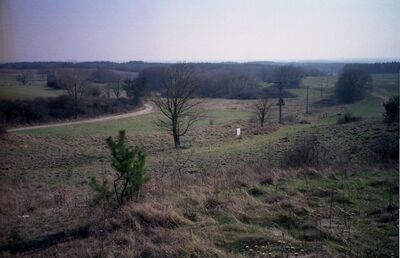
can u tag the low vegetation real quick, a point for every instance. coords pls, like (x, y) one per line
(309, 187)
(352, 85)
(304, 152)
(15, 112)
(78, 96)
(131, 173)
(391, 109)
(347, 118)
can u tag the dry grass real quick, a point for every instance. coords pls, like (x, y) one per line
(219, 197)
(169, 220)
(213, 213)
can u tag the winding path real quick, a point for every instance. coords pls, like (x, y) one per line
(147, 109)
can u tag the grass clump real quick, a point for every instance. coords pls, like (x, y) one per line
(348, 118)
(391, 110)
(303, 152)
(385, 149)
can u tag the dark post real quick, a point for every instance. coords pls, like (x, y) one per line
(327, 81)
(322, 83)
(280, 101)
(76, 100)
(307, 100)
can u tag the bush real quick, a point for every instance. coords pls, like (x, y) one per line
(347, 118)
(23, 111)
(391, 110)
(385, 149)
(94, 91)
(303, 152)
(52, 82)
(61, 107)
(131, 173)
(351, 85)
(46, 109)
(290, 119)
(3, 129)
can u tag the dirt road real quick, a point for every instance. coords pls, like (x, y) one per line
(147, 109)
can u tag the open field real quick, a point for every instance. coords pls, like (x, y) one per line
(36, 87)
(218, 196)
(199, 129)
(246, 212)
(10, 89)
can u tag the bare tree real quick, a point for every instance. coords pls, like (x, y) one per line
(176, 103)
(261, 109)
(107, 91)
(23, 77)
(136, 88)
(116, 88)
(75, 83)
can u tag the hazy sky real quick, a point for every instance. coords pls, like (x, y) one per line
(198, 30)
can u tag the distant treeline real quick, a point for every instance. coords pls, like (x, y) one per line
(216, 80)
(237, 81)
(132, 66)
(250, 68)
(392, 67)
(219, 80)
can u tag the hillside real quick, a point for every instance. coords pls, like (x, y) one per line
(219, 196)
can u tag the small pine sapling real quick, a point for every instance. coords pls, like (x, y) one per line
(131, 174)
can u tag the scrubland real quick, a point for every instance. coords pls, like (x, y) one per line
(307, 188)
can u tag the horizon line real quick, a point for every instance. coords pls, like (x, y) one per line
(319, 60)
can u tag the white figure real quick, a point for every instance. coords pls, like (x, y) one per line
(237, 132)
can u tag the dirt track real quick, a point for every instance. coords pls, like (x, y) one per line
(147, 109)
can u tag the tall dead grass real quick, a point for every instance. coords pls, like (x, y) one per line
(179, 215)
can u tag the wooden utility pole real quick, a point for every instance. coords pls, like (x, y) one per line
(281, 102)
(322, 83)
(307, 100)
(327, 81)
(398, 80)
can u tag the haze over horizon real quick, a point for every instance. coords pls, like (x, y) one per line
(215, 31)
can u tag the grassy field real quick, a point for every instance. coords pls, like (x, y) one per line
(219, 196)
(135, 125)
(36, 87)
(389, 83)
(10, 89)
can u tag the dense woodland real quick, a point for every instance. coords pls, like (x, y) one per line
(383, 68)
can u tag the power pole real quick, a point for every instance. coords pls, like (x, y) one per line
(398, 80)
(307, 100)
(281, 102)
(322, 83)
(327, 81)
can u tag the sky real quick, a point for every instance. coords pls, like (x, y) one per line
(198, 30)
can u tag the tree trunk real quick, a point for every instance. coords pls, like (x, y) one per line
(76, 108)
(175, 132)
(177, 141)
(75, 101)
